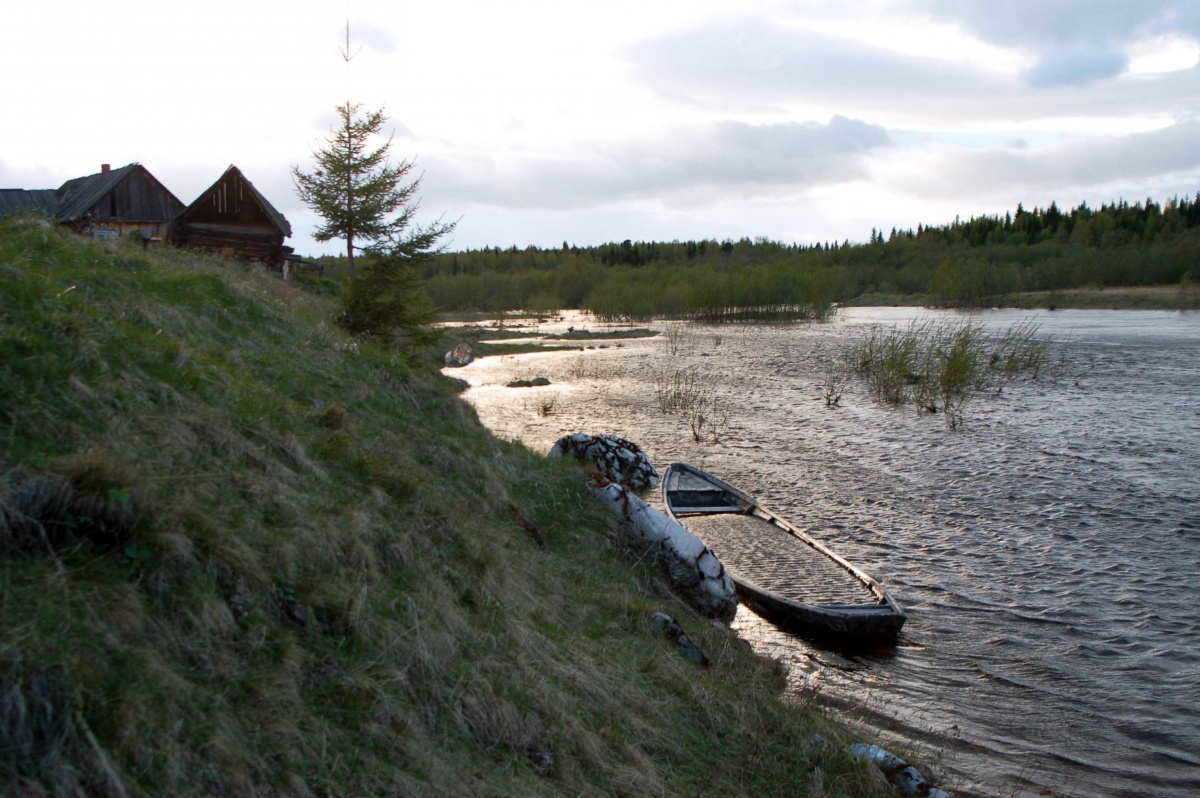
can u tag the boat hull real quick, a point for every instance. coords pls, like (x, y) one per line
(865, 626)
(861, 612)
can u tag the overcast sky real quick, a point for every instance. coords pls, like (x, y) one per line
(543, 121)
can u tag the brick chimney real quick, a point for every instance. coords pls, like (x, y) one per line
(104, 168)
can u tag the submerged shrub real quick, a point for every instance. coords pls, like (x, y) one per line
(680, 390)
(889, 361)
(939, 365)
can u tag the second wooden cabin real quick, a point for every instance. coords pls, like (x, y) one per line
(233, 219)
(109, 204)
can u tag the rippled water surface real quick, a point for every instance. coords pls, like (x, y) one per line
(1047, 552)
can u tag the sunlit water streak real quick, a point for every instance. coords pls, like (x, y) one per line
(1048, 552)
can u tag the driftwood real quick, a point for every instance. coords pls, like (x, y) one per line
(526, 524)
(670, 629)
(903, 776)
(695, 572)
(619, 460)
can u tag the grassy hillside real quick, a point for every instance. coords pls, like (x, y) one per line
(241, 554)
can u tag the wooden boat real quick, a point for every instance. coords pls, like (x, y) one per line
(781, 572)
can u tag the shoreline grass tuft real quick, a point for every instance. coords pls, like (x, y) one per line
(938, 365)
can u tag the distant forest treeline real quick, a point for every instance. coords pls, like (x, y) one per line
(962, 264)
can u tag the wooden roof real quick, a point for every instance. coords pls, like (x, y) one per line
(19, 200)
(218, 195)
(78, 196)
(142, 198)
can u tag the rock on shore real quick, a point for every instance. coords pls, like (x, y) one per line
(459, 356)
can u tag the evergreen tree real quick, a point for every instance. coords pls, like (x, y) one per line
(356, 189)
(389, 299)
(363, 197)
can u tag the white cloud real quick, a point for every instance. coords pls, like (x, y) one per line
(378, 38)
(1041, 25)
(1071, 166)
(678, 118)
(750, 61)
(684, 167)
(1162, 54)
(1073, 41)
(1075, 65)
(752, 65)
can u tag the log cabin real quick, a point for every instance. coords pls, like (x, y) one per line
(232, 218)
(109, 204)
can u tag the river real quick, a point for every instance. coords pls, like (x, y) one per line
(1047, 550)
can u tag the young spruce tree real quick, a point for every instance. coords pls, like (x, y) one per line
(363, 197)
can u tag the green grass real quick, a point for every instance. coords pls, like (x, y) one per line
(489, 341)
(603, 335)
(938, 365)
(243, 554)
(1185, 296)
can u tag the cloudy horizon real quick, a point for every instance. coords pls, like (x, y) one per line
(544, 122)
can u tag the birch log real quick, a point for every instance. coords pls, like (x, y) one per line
(695, 572)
